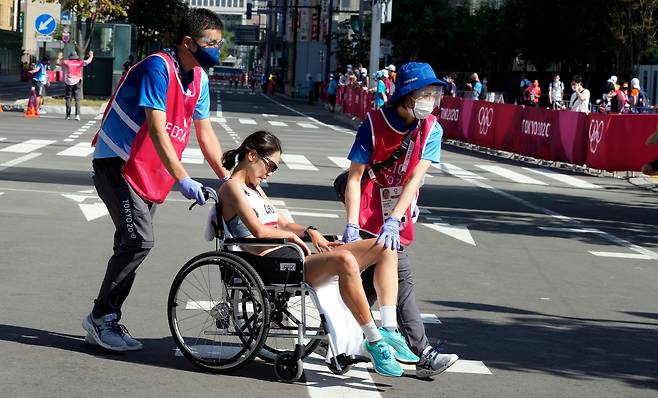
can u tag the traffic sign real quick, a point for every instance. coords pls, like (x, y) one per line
(65, 17)
(44, 38)
(45, 24)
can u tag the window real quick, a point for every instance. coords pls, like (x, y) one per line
(241, 3)
(223, 3)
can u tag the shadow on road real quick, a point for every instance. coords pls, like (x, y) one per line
(570, 347)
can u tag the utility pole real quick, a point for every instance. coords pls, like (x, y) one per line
(295, 20)
(327, 65)
(375, 37)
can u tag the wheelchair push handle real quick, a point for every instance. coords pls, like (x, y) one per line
(208, 193)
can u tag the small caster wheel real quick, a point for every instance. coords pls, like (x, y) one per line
(344, 368)
(287, 368)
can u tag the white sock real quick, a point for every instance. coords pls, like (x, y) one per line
(371, 332)
(389, 317)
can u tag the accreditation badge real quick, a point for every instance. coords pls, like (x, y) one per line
(389, 198)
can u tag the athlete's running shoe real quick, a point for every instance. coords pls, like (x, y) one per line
(105, 332)
(399, 345)
(382, 358)
(433, 362)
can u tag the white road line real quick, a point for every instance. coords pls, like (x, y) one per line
(269, 115)
(82, 149)
(573, 230)
(321, 383)
(298, 162)
(461, 366)
(341, 162)
(635, 256)
(510, 175)
(457, 171)
(247, 121)
(309, 214)
(427, 318)
(192, 156)
(19, 160)
(27, 146)
(307, 125)
(276, 123)
(459, 232)
(565, 178)
(68, 140)
(218, 119)
(3, 138)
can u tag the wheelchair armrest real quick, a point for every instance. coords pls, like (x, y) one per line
(330, 238)
(255, 241)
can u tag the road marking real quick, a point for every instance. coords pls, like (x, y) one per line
(91, 211)
(269, 115)
(192, 155)
(247, 121)
(635, 256)
(430, 319)
(457, 171)
(27, 146)
(68, 140)
(341, 162)
(307, 125)
(276, 123)
(565, 178)
(218, 119)
(321, 383)
(461, 366)
(19, 160)
(459, 232)
(3, 138)
(309, 214)
(510, 175)
(82, 149)
(298, 162)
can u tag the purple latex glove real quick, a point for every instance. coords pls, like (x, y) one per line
(192, 190)
(351, 233)
(389, 233)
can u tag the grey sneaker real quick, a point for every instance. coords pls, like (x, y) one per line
(132, 344)
(433, 362)
(105, 332)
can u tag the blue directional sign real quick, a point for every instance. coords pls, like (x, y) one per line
(45, 24)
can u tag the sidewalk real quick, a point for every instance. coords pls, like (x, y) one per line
(14, 95)
(319, 110)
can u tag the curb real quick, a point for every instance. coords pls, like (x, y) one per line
(56, 109)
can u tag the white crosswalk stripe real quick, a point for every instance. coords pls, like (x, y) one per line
(341, 162)
(192, 156)
(247, 121)
(27, 146)
(510, 175)
(457, 171)
(565, 178)
(297, 162)
(307, 125)
(276, 123)
(3, 138)
(82, 149)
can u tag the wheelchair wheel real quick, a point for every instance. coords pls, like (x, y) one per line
(285, 312)
(287, 368)
(218, 312)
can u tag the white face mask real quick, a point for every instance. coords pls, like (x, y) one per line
(423, 108)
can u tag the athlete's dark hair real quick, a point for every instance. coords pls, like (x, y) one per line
(263, 142)
(196, 21)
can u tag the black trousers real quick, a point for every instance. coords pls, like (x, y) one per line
(133, 237)
(410, 321)
(72, 90)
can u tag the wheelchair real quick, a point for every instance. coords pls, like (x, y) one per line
(227, 306)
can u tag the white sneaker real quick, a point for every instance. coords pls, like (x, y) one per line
(77, 117)
(433, 362)
(68, 117)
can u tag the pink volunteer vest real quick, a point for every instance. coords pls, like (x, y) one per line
(144, 170)
(386, 140)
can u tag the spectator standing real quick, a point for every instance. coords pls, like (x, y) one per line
(579, 101)
(615, 98)
(484, 92)
(331, 91)
(556, 93)
(392, 73)
(380, 93)
(40, 80)
(623, 92)
(637, 97)
(475, 86)
(386, 81)
(128, 64)
(533, 93)
(525, 83)
(451, 87)
(309, 88)
(72, 69)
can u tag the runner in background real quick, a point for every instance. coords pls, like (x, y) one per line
(40, 81)
(72, 69)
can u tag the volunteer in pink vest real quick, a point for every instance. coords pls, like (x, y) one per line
(72, 68)
(136, 162)
(380, 198)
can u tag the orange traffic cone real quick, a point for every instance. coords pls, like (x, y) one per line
(1, 110)
(32, 105)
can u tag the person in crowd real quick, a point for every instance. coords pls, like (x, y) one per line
(484, 92)
(248, 212)
(386, 81)
(579, 101)
(137, 158)
(556, 93)
(615, 97)
(623, 91)
(525, 83)
(310, 88)
(392, 73)
(637, 97)
(451, 87)
(409, 111)
(343, 80)
(252, 81)
(128, 64)
(365, 80)
(474, 86)
(331, 91)
(72, 69)
(40, 80)
(380, 90)
(533, 94)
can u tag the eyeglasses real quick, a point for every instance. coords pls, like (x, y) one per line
(271, 166)
(429, 93)
(211, 43)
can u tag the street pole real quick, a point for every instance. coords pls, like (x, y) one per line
(375, 37)
(327, 65)
(294, 43)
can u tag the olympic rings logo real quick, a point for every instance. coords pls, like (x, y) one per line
(595, 134)
(485, 118)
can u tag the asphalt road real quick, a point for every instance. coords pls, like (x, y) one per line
(542, 281)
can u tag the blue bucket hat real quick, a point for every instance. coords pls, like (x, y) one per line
(413, 76)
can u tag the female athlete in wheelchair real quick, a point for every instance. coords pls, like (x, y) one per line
(247, 216)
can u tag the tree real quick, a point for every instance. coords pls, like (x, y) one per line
(156, 21)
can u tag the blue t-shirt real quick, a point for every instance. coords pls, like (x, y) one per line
(379, 95)
(42, 73)
(145, 87)
(362, 148)
(332, 87)
(477, 87)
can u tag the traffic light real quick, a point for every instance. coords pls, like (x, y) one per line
(249, 9)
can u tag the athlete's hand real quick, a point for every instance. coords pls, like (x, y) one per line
(351, 233)
(389, 233)
(192, 190)
(319, 241)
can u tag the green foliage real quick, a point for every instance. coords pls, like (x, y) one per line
(351, 47)
(156, 21)
(100, 9)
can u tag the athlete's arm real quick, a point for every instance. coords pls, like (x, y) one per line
(353, 192)
(210, 146)
(410, 189)
(156, 120)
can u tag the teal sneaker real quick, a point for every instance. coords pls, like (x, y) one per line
(399, 345)
(382, 359)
